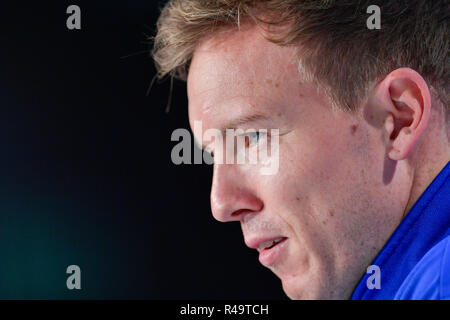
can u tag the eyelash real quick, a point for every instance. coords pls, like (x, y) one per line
(247, 143)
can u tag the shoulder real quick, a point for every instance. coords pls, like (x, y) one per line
(430, 278)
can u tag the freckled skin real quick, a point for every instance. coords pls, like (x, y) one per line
(328, 197)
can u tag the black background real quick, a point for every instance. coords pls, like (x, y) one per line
(86, 176)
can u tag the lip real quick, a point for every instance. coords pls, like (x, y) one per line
(271, 255)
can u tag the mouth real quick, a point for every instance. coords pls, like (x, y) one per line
(270, 250)
(270, 244)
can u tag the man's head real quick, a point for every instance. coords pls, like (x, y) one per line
(361, 118)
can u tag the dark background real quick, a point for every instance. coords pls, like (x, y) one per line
(86, 176)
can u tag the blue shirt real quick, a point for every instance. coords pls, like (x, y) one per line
(415, 261)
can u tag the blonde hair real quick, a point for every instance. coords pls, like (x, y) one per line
(338, 51)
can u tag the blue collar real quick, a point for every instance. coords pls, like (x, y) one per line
(424, 226)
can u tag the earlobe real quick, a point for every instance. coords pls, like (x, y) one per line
(409, 106)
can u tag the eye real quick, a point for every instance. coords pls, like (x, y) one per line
(210, 151)
(252, 138)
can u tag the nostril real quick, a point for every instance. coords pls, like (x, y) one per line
(238, 212)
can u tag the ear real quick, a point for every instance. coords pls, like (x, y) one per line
(405, 97)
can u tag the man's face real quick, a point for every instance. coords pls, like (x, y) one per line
(330, 202)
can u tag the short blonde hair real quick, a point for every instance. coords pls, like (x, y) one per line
(338, 51)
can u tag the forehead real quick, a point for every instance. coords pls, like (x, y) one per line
(238, 70)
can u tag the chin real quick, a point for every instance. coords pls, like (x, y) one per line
(296, 289)
(304, 288)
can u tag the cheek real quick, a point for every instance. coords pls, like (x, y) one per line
(322, 161)
(317, 174)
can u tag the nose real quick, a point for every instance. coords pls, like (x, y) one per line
(232, 196)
